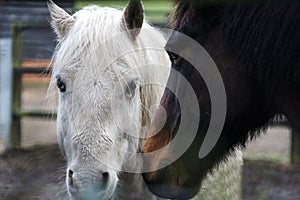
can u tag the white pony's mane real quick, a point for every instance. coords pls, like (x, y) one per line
(98, 37)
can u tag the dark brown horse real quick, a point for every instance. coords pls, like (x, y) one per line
(256, 47)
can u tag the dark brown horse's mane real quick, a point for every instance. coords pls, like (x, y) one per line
(264, 34)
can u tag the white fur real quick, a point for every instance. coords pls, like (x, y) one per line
(96, 61)
(61, 20)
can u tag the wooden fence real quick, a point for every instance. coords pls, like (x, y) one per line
(18, 71)
(28, 11)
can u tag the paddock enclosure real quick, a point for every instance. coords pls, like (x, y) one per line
(28, 171)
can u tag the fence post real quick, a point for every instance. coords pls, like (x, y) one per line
(295, 146)
(5, 90)
(15, 136)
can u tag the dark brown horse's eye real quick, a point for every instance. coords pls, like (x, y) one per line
(175, 58)
(60, 84)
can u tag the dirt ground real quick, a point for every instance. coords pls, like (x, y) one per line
(38, 172)
(266, 180)
(32, 174)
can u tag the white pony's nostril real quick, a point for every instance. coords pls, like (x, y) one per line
(105, 177)
(71, 179)
(105, 174)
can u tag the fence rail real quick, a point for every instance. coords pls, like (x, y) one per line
(19, 71)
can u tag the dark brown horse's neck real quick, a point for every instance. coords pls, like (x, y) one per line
(249, 106)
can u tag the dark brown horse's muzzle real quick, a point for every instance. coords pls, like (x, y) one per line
(165, 184)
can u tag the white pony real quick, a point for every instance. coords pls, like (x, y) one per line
(102, 66)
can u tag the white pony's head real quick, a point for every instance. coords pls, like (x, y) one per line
(99, 65)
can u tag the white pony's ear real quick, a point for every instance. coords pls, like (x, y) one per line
(134, 17)
(61, 21)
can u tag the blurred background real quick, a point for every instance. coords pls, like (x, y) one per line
(27, 118)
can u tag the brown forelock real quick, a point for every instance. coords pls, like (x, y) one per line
(153, 143)
(158, 138)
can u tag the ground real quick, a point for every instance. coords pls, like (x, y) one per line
(32, 174)
(266, 180)
(38, 173)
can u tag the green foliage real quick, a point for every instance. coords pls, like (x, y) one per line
(155, 10)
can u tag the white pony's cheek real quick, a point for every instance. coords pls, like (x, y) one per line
(60, 139)
(63, 125)
(118, 151)
(130, 120)
(61, 129)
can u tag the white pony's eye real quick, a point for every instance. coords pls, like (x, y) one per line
(130, 89)
(60, 84)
